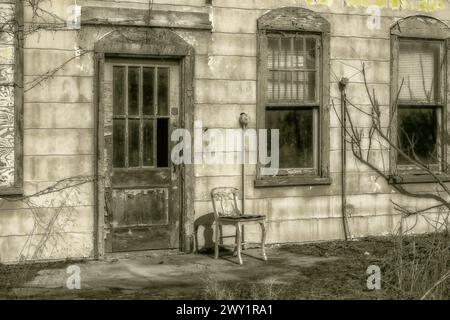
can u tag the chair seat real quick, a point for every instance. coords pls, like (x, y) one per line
(243, 217)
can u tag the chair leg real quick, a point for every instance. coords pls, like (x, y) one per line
(263, 240)
(235, 242)
(238, 241)
(244, 245)
(216, 240)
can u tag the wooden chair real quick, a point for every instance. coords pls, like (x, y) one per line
(226, 212)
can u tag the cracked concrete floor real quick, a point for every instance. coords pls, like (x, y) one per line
(164, 275)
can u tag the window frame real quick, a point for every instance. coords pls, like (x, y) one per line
(292, 20)
(17, 187)
(419, 28)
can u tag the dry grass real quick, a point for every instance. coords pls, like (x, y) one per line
(419, 266)
(266, 290)
(421, 271)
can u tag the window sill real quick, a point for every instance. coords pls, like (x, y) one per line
(417, 178)
(281, 181)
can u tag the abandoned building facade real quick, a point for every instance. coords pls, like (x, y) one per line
(92, 90)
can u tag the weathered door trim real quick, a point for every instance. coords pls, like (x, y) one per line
(144, 43)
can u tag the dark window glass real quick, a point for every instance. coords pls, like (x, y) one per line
(148, 143)
(148, 88)
(418, 132)
(118, 90)
(133, 143)
(162, 146)
(163, 91)
(119, 143)
(296, 136)
(133, 90)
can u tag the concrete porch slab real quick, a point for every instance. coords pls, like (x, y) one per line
(165, 275)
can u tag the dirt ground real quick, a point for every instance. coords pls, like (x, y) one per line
(328, 270)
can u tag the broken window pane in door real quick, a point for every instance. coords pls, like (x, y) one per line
(162, 153)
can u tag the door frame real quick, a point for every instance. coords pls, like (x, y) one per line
(143, 43)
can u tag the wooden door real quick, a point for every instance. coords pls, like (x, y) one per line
(141, 105)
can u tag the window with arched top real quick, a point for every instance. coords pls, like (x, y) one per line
(293, 93)
(419, 75)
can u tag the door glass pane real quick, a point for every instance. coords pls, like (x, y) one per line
(296, 136)
(418, 68)
(133, 143)
(162, 152)
(118, 90)
(148, 88)
(418, 132)
(163, 91)
(119, 143)
(133, 90)
(148, 143)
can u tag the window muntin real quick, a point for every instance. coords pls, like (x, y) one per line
(140, 116)
(292, 99)
(420, 107)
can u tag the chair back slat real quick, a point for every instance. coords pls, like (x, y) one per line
(224, 201)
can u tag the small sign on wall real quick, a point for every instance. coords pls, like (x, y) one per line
(74, 19)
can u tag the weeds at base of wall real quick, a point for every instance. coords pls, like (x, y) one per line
(412, 267)
(419, 266)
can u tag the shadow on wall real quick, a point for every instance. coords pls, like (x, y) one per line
(206, 221)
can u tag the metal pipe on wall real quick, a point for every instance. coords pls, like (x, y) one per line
(243, 121)
(342, 87)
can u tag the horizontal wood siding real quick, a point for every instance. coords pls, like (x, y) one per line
(59, 122)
